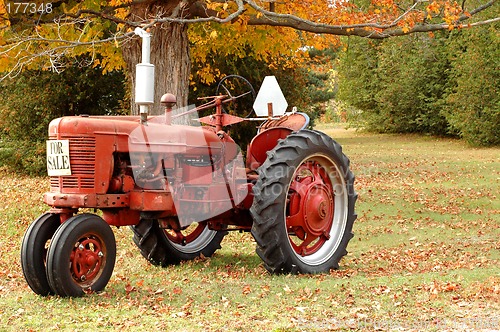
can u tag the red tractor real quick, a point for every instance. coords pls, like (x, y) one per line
(181, 189)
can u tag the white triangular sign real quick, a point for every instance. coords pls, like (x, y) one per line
(270, 92)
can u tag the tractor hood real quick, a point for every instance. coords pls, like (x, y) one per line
(131, 135)
(90, 125)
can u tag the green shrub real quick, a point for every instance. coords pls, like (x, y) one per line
(24, 157)
(473, 107)
(443, 85)
(31, 100)
(358, 76)
(413, 74)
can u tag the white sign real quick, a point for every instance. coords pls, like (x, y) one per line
(58, 158)
(270, 92)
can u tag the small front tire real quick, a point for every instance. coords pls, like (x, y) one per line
(34, 252)
(81, 257)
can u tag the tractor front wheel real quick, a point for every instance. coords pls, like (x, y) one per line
(166, 247)
(303, 206)
(34, 249)
(81, 256)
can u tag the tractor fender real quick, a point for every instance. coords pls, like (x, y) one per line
(263, 142)
(269, 133)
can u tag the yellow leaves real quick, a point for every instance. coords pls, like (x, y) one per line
(240, 40)
(115, 3)
(212, 5)
(4, 22)
(451, 13)
(448, 11)
(60, 36)
(433, 8)
(3, 9)
(217, 6)
(208, 74)
(111, 58)
(122, 13)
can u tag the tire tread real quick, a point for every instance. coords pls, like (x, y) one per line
(267, 229)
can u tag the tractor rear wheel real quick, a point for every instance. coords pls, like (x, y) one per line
(81, 256)
(166, 247)
(34, 249)
(303, 206)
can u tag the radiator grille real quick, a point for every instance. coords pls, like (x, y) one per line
(82, 160)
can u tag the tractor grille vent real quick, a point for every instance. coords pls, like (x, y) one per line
(82, 160)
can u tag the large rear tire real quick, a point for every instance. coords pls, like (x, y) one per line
(303, 206)
(165, 247)
(81, 256)
(34, 252)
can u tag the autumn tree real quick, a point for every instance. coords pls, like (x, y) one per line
(41, 33)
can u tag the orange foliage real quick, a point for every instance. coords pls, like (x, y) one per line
(236, 38)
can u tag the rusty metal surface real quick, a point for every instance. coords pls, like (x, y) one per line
(87, 200)
(294, 121)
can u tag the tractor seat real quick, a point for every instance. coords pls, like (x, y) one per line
(294, 121)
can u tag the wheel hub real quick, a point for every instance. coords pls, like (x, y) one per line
(310, 208)
(318, 210)
(86, 260)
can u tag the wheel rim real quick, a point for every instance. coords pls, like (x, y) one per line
(316, 209)
(87, 260)
(192, 239)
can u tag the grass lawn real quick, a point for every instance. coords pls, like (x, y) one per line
(425, 257)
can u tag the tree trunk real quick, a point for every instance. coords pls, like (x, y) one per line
(169, 55)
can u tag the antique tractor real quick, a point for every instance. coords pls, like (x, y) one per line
(181, 189)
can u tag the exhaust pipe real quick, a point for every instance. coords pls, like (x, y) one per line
(144, 77)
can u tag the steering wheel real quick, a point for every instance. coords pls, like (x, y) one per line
(240, 91)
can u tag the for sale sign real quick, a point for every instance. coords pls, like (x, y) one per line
(58, 158)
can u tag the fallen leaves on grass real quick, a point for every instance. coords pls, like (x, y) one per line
(437, 287)
(442, 218)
